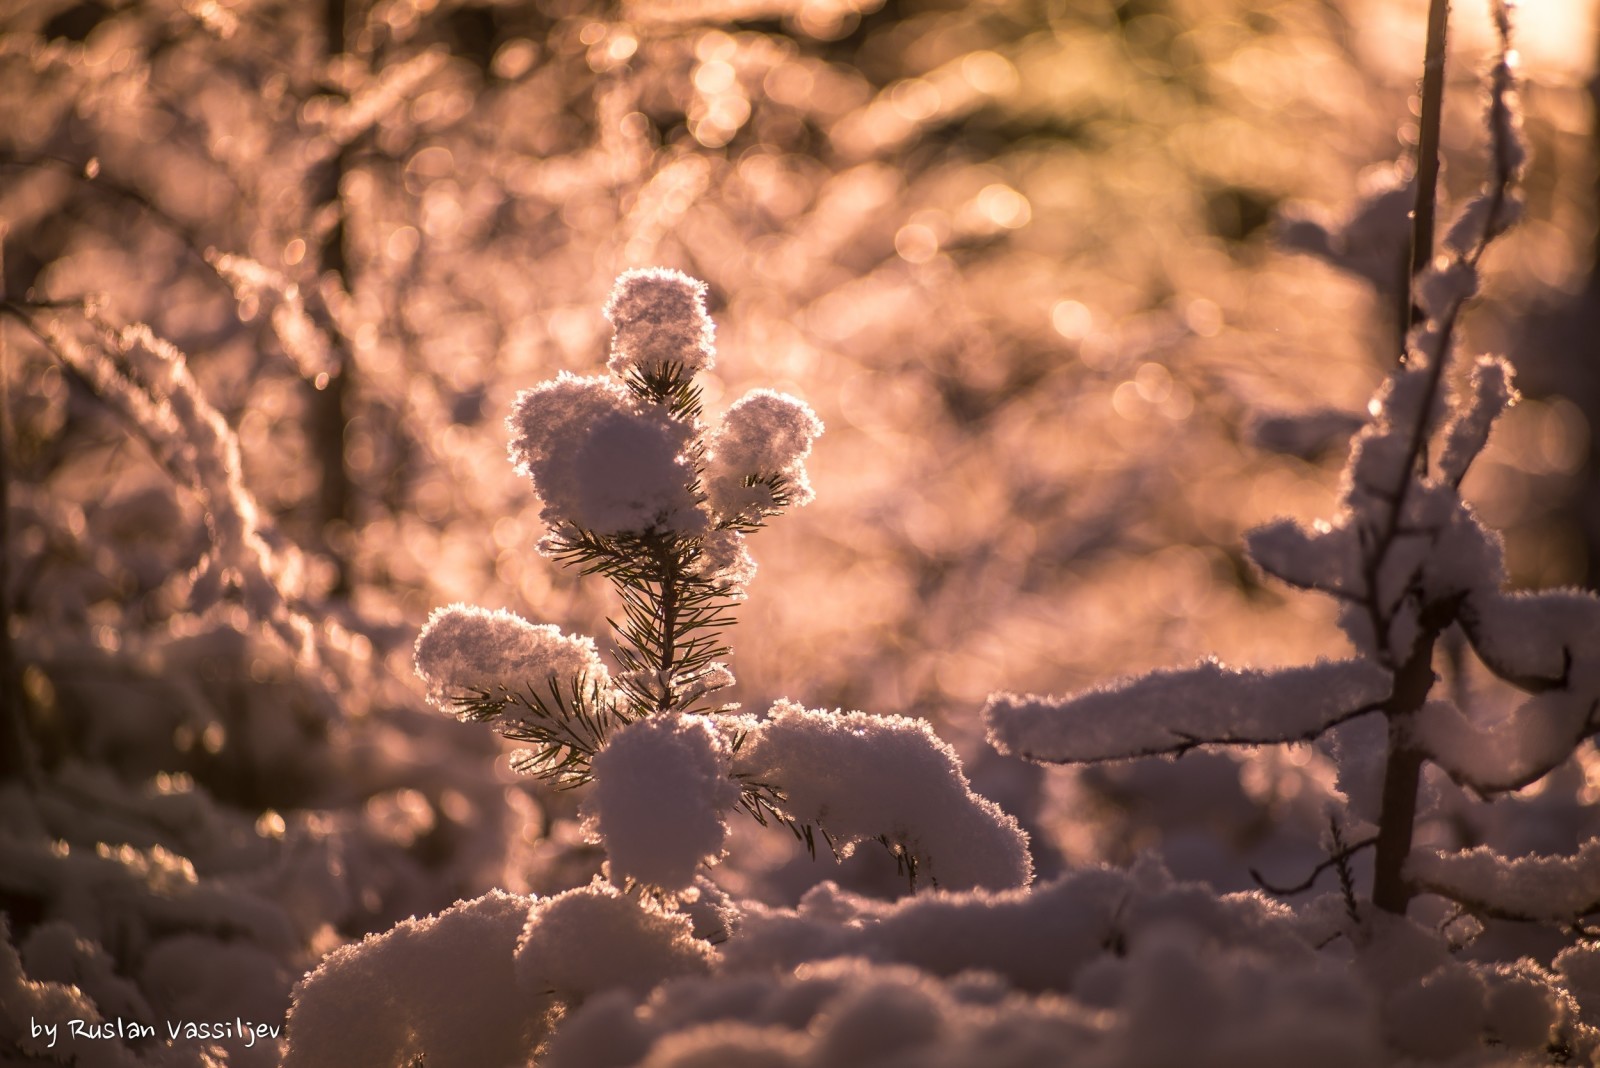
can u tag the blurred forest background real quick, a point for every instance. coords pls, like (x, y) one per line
(1056, 274)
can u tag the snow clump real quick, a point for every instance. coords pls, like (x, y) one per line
(857, 777)
(660, 322)
(764, 436)
(661, 787)
(600, 459)
(464, 650)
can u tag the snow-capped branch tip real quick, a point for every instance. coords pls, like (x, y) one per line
(660, 321)
(661, 788)
(756, 456)
(464, 651)
(1491, 394)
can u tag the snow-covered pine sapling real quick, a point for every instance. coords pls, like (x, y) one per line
(1406, 558)
(640, 490)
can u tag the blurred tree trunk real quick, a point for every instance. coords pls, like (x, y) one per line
(330, 404)
(16, 746)
(1586, 337)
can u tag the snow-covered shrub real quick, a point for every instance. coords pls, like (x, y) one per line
(1407, 560)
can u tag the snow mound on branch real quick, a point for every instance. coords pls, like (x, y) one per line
(1173, 711)
(599, 460)
(1035, 939)
(1537, 639)
(463, 649)
(764, 434)
(661, 786)
(1579, 968)
(441, 987)
(1551, 889)
(1529, 742)
(594, 938)
(1491, 394)
(858, 776)
(660, 321)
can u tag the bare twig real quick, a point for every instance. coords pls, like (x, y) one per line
(1339, 859)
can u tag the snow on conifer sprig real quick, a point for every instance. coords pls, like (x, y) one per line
(637, 489)
(618, 461)
(1406, 558)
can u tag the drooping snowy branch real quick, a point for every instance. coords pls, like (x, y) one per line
(858, 777)
(1537, 641)
(298, 333)
(1531, 741)
(146, 379)
(1174, 711)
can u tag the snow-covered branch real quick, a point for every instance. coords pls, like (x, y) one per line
(1559, 890)
(1173, 711)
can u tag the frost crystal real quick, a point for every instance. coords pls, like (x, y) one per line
(660, 788)
(464, 649)
(661, 322)
(599, 460)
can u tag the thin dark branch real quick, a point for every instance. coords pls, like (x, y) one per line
(1185, 741)
(1428, 149)
(1334, 859)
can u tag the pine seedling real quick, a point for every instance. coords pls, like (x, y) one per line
(639, 490)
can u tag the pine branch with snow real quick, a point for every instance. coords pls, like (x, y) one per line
(638, 489)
